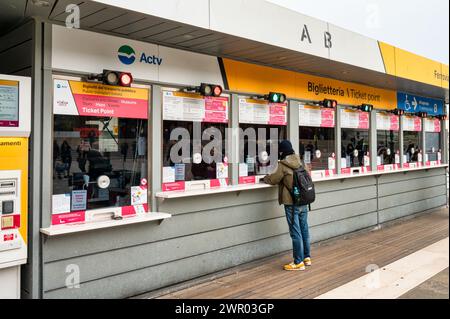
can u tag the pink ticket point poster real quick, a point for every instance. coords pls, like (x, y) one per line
(327, 117)
(216, 109)
(96, 99)
(363, 120)
(277, 114)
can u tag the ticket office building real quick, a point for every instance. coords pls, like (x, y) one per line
(115, 208)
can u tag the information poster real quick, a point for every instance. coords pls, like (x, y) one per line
(354, 119)
(79, 200)
(262, 112)
(9, 103)
(412, 123)
(180, 172)
(192, 107)
(109, 135)
(387, 122)
(96, 99)
(316, 116)
(432, 125)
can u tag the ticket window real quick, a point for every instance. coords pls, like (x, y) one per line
(86, 149)
(100, 151)
(317, 139)
(355, 155)
(194, 149)
(433, 146)
(388, 147)
(412, 128)
(355, 148)
(258, 163)
(193, 166)
(317, 148)
(262, 126)
(388, 144)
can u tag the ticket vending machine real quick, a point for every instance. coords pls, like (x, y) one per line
(15, 124)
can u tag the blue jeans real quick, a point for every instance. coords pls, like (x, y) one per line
(297, 218)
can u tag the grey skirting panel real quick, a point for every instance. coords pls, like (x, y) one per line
(215, 232)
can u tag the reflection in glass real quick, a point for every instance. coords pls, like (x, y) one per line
(259, 163)
(354, 147)
(86, 148)
(433, 145)
(411, 145)
(193, 166)
(387, 146)
(316, 146)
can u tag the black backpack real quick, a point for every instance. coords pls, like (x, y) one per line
(303, 191)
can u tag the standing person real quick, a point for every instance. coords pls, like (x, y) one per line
(66, 157)
(55, 155)
(297, 216)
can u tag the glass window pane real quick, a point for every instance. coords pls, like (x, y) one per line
(387, 146)
(87, 147)
(433, 145)
(354, 147)
(317, 144)
(256, 163)
(411, 145)
(192, 166)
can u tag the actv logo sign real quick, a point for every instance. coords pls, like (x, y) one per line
(127, 55)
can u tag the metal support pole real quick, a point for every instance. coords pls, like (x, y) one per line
(233, 140)
(373, 140)
(156, 144)
(293, 125)
(423, 145)
(337, 134)
(401, 141)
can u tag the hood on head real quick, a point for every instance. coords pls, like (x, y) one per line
(292, 161)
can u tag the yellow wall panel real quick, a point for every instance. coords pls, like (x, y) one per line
(444, 76)
(14, 156)
(414, 67)
(388, 54)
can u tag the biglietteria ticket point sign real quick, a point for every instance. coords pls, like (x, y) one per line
(261, 79)
(95, 99)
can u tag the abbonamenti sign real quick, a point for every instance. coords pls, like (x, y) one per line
(414, 104)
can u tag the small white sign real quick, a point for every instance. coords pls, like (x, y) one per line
(61, 203)
(243, 170)
(331, 163)
(366, 161)
(168, 174)
(138, 195)
(343, 162)
(221, 170)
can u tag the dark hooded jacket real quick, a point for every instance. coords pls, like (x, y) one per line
(283, 177)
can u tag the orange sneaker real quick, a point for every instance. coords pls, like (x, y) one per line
(307, 261)
(294, 267)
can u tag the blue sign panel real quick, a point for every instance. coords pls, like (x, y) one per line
(414, 104)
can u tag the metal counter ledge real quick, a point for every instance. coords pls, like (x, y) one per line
(75, 228)
(260, 185)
